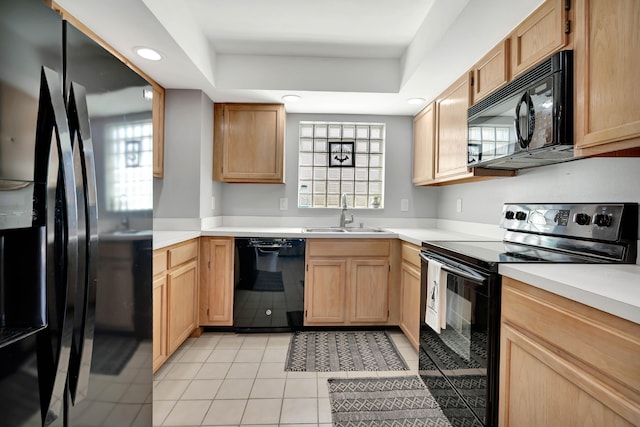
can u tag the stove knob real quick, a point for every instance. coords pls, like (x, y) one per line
(602, 220)
(509, 215)
(521, 216)
(582, 219)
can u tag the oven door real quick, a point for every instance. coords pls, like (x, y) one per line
(465, 352)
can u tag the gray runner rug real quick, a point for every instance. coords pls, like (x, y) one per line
(393, 401)
(343, 351)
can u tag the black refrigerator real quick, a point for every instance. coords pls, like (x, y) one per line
(76, 207)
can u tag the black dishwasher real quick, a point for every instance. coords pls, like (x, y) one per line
(269, 284)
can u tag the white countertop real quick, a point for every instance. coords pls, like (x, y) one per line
(614, 289)
(162, 239)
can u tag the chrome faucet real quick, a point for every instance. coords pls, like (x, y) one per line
(343, 217)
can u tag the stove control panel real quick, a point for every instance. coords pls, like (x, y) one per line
(581, 220)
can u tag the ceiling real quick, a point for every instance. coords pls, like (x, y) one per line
(340, 56)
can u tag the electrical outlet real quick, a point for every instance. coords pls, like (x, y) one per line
(284, 204)
(404, 205)
(213, 203)
(459, 205)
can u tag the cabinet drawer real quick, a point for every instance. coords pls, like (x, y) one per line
(183, 253)
(411, 254)
(604, 342)
(352, 248)
(159, 261)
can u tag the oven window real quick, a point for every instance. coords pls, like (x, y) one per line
(460, 351)
(462, 345)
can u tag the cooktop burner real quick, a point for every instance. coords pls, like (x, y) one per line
(553, 233)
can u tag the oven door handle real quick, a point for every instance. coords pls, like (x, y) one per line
(457, 269)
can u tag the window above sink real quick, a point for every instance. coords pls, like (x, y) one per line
(338, 158)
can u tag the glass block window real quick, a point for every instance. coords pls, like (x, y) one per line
(341, 158)
(129, 166)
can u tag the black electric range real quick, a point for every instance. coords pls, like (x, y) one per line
(459, 361)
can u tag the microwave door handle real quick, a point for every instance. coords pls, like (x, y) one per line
(531, 120)
(82, 351)
(457, 270)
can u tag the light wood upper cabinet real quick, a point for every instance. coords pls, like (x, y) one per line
(347, 282)
(249, 143)
(541, 34)
(607, 71)
(424, 126)
(451, 131)
(440, 140)
(157, 114)
(491, 72)
(563, 363)
(216, 281)
(410, 305)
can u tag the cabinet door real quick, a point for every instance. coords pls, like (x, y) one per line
(410, 303)
(249, 141)
(539, 36)
(325, 291)
(159, 321)
(538, 387)
(424, 146)
(451, 141)
(491, 72)
(587, 357)
(157, 113)
(216, 283)
(369, 285)
(182, 285)
(607, 66)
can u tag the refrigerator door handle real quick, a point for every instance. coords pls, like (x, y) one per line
(54, 344)
(82, 346)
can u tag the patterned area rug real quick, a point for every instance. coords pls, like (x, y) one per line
(343, 351)
(394, 401)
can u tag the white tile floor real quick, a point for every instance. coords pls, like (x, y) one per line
(225, 379)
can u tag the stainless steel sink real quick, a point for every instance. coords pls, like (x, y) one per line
(342, 230)
(324, 230)
(363, 230)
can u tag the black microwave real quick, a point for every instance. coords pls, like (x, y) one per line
(528, 122)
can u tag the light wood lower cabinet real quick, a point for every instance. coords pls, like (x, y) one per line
(410, 304)
(565, 364)
(159, 321)
(216, 281)
(369, 290)
(347, 282)
(175, 298)
(182, 287)
(326, 291)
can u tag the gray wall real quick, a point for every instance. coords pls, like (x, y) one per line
(586, 180)
(187, 187)
(264, 199)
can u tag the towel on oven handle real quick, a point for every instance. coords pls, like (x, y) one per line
(436, 304)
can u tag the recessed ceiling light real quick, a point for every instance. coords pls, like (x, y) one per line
(147, 53)
(291, 98)
(415, 101)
